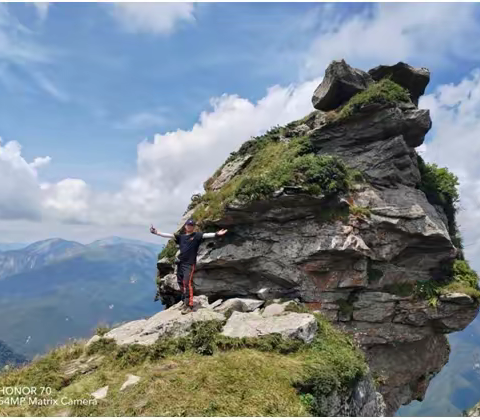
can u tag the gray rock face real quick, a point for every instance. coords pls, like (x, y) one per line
(340, 83)
(290, 325)
(385, 135)
(412, 79)
(474, 411)
(362, 401)
(405, 369)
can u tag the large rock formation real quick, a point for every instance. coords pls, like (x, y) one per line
(351, 268)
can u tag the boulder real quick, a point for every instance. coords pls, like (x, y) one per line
(94, 339)
(124, 333)
(100, 394)
(82, 365)
(240, 305)
(168, 322)
(215, 304)
(340, 83)
(131, 380)
(290, 326)
(229, 171)
(459, 298)
(274, 309)
(415, 80)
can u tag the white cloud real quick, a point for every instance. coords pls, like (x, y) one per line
(16, 44)
(20, 195)
(20, 50)
(49, 87)
(156, 18)
(423, 34)
(455, 110)
(40, 161)
(143, 119)
(172, 167)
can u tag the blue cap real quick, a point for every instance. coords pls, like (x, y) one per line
(190, 222)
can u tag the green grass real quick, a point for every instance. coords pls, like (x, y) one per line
(360, 211)
(382, 92)
(169, 251)
(276, 164)
(101, 330)
(345, 306)
(213, 375)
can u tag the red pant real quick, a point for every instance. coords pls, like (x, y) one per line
(185, 281)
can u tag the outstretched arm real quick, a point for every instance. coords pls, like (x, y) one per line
(221, 232)
(163, 235)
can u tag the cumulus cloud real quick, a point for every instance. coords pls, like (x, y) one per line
(20, 194)
(455, 110)
(422, 33)
(174, 165)
(155, 18)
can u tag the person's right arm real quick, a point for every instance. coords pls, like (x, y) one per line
(163, 235)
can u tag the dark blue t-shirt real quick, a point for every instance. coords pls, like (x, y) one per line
(189, 245)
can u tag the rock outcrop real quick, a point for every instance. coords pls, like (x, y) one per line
(412, 79)
(340, 83)
(474, 411)
(350, 256)
(248, 318)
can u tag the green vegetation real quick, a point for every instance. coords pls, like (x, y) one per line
(360, 211)
(101, 330)
(276, 164)
(169, 251)
(214, 375)
(457, 277)
(440, 187)
(384, 91)
(345, 306)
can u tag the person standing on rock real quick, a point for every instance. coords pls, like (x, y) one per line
(189, 242)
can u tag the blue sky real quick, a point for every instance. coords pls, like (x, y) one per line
(115, 99)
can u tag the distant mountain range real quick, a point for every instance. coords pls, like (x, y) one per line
(11, 246)
(55, 290)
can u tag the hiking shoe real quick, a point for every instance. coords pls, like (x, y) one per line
(187, 310)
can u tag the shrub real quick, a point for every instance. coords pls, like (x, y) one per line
(360, 211)
(169, 251)
(101, 330)
(384, 91)
(103, 346)
(440, 187)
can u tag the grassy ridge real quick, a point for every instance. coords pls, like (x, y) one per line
(203, 374)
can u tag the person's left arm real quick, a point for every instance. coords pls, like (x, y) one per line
(221, 232)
